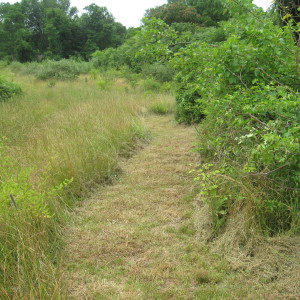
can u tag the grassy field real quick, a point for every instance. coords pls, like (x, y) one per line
(146, 237)
(59, 141)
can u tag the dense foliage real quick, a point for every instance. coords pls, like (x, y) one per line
(241, 80)
(8, 89)
(38, 29)
(204, 12)
(245, 90)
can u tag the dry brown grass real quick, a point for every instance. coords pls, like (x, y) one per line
(135, 240)
(140, 238)
(269, 264)
(57, 131)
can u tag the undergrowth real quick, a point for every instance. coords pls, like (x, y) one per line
(254, 150)
(29, 218)
(8, 89)
(244, 91)
(65, 70)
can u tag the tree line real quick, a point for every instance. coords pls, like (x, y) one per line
(36, 29)
(32, 30)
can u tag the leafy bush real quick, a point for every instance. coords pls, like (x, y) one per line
(160, 108)
(150, 84)
(94, 73)
(104, 84)
(83, 66)
(131, 76)
(161, 72)
(3, 63)
(253, 138)
(59, 70)
(8, 89)
(30, 68)
(65, 69)
(16, 66)
(210, 35)
(189, 107)
(245, 92)
(255, 51)
(116, 58)
(193, 66)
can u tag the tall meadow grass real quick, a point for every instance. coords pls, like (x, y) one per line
(61, 140)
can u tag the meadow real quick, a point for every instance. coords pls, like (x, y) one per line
(60, 140)
(66, 125)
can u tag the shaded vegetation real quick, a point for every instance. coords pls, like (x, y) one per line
(39, 29)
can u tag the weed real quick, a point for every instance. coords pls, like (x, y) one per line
(160, 109)
(203, 277)
(94, 74)
(8, 89)
(51, 83)
(103, 84)
(151, 85)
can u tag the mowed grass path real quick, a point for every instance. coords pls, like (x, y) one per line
(136, 239)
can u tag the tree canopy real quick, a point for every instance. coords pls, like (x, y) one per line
(53, 29)
(204, 12)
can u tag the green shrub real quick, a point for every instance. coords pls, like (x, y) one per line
(132, 77)
(160, 72)
(104, 84)
(210, 34)
(253, 138)
(245, 92)
(151, 85)
(59, 70)
(16, 66)
(8, 89)
(83, 66)
(30, 68)
(116, 58)
(189, 106)
(254, 51)
(94, 73)
(3, 64)
(160, 108)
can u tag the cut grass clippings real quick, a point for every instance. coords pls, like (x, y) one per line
(136, 239)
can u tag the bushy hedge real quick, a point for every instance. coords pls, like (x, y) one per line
(64, 70)
(245, 92)
(59, 70)
(116, 58)
(254, 52)
(252, 138)
(161, 72)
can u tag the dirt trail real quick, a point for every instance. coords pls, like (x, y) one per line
(133, 240)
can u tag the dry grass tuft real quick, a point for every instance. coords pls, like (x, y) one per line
(270, 264)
